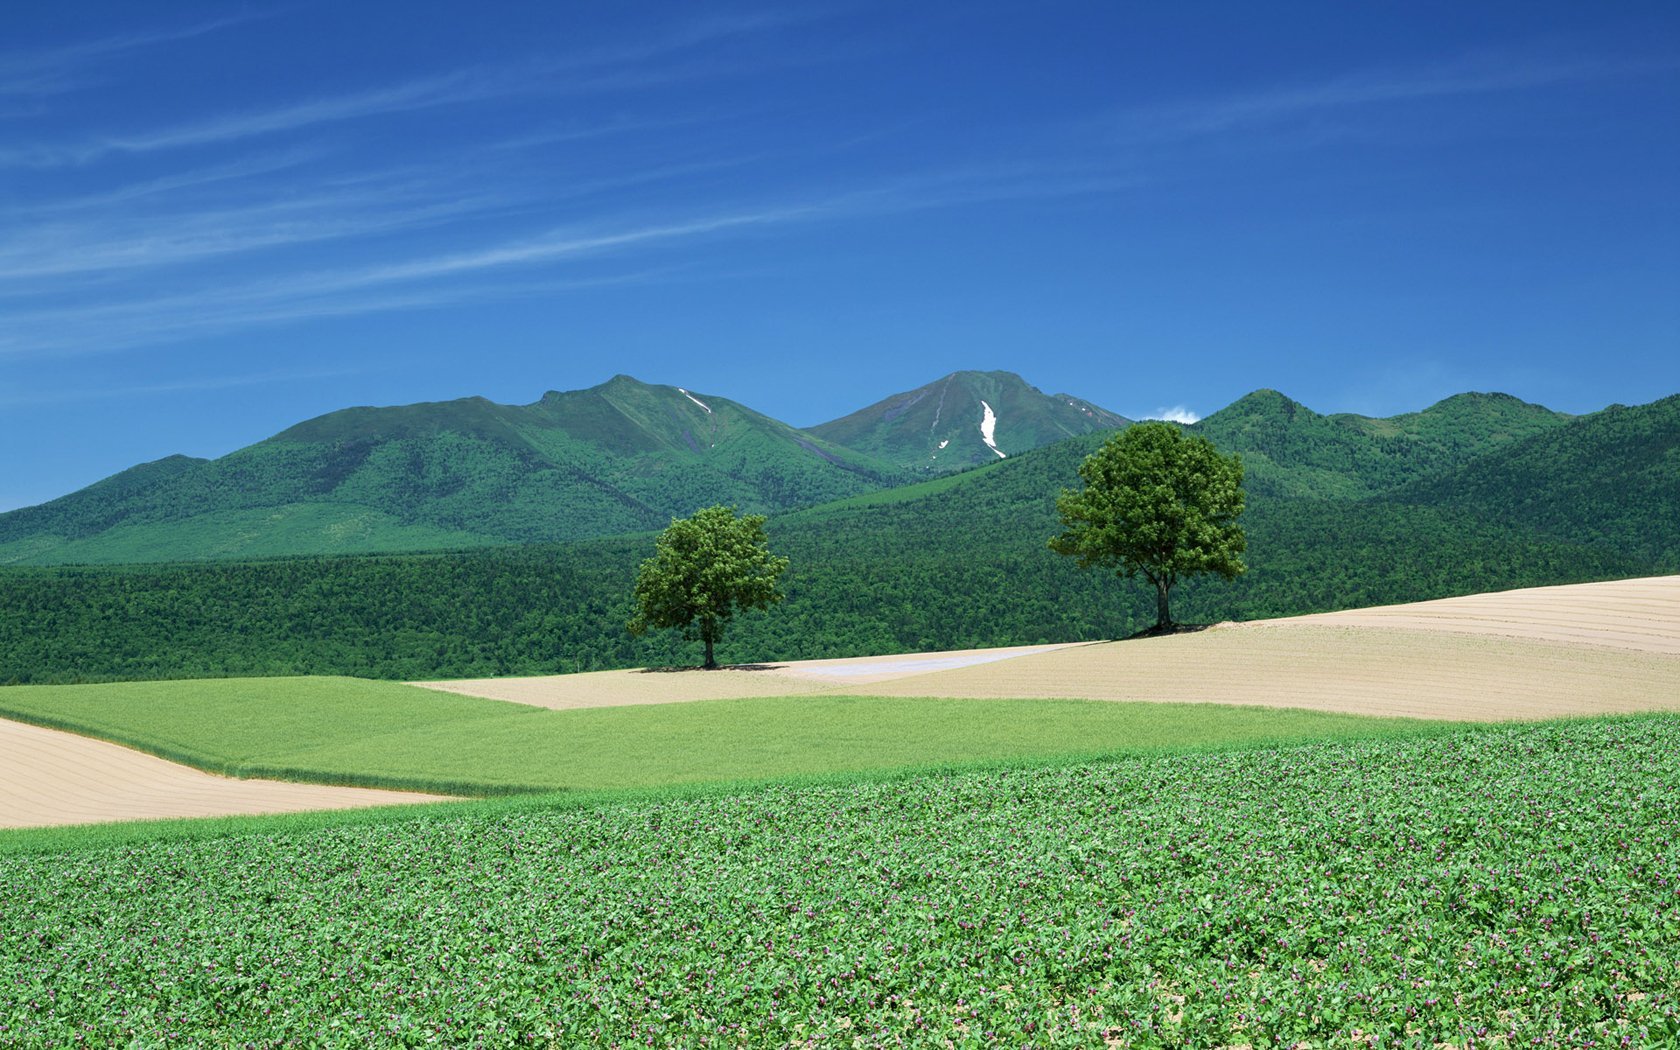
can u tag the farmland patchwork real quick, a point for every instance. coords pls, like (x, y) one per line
(1490, 887)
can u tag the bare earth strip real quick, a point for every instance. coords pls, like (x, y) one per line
(1544, 652)
(1357, 670)
(50, 778)
(796, 677)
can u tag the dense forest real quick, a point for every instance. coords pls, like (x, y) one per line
(955, 562)
(1480, 492)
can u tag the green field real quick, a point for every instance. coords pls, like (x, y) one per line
(381, 734)
(1483, 886)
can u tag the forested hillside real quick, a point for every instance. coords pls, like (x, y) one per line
(1611, 479)
(627, 456)
(621, 457)
(954, 562)
(1290, 450)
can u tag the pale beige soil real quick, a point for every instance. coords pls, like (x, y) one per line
(1536, 653)
(790, 678)
(49, 778)
(1358, 670)
(1641, 614)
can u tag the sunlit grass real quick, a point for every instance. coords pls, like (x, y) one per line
(348, 731)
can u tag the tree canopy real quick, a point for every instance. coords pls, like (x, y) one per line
(1159, 504)
(703, 569)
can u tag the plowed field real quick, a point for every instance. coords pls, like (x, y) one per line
(52, 778)
(1545, 652)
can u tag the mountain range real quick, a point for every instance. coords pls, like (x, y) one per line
(1478, 492)
(626, 456)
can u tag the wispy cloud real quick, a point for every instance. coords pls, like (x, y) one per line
(1174, 414)
(322, 293)
(179, 386)
(594, 71)
(123, 325)
(448, 276)
(447, 89)
(53, 71)
(1474, 75)
(170, 238)
(195, 179)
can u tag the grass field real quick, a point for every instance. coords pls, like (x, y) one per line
(1484, 886)
(380, 734)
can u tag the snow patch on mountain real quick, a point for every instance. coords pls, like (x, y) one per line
(696, 400)
(988, 430)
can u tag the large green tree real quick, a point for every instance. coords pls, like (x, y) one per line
(703, 569)
(1157, 503)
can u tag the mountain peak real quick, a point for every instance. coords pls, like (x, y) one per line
(965, 419)
(1264, 403)
(1489, 401)
(996, 375)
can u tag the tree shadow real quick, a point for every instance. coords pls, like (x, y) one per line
(1171, 628)
(719, 667)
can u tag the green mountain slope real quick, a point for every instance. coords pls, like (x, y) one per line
(1611, 479)
(626, 456)
(951, 562)
(965, 419)
(621, 457)
(1290, 450)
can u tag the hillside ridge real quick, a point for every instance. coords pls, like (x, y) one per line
(625, 456)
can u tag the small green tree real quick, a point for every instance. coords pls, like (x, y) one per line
(702, 570)
(1156, 503)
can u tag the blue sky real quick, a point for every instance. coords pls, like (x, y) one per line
(217, 220)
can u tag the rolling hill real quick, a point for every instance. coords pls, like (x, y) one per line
(1290, 450)
(626, 456)
(1611, 479)
(621, 457)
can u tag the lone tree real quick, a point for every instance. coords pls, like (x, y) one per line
(1157, 503)
(702, 570)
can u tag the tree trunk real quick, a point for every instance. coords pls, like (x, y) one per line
(1163, 618)
(711, 663)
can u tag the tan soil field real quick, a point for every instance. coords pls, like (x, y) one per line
(49, 778)
(661, 686)
(1544, 652)
(1641, 614)
(1357, 670)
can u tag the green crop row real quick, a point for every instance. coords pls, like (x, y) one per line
(1489, 887)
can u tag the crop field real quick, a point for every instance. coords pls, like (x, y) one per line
(50, 778)
(1484, 887)
(1529, 654)
(1357, 670)
(1638, 615)
(1545, 652)
(380, 734)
